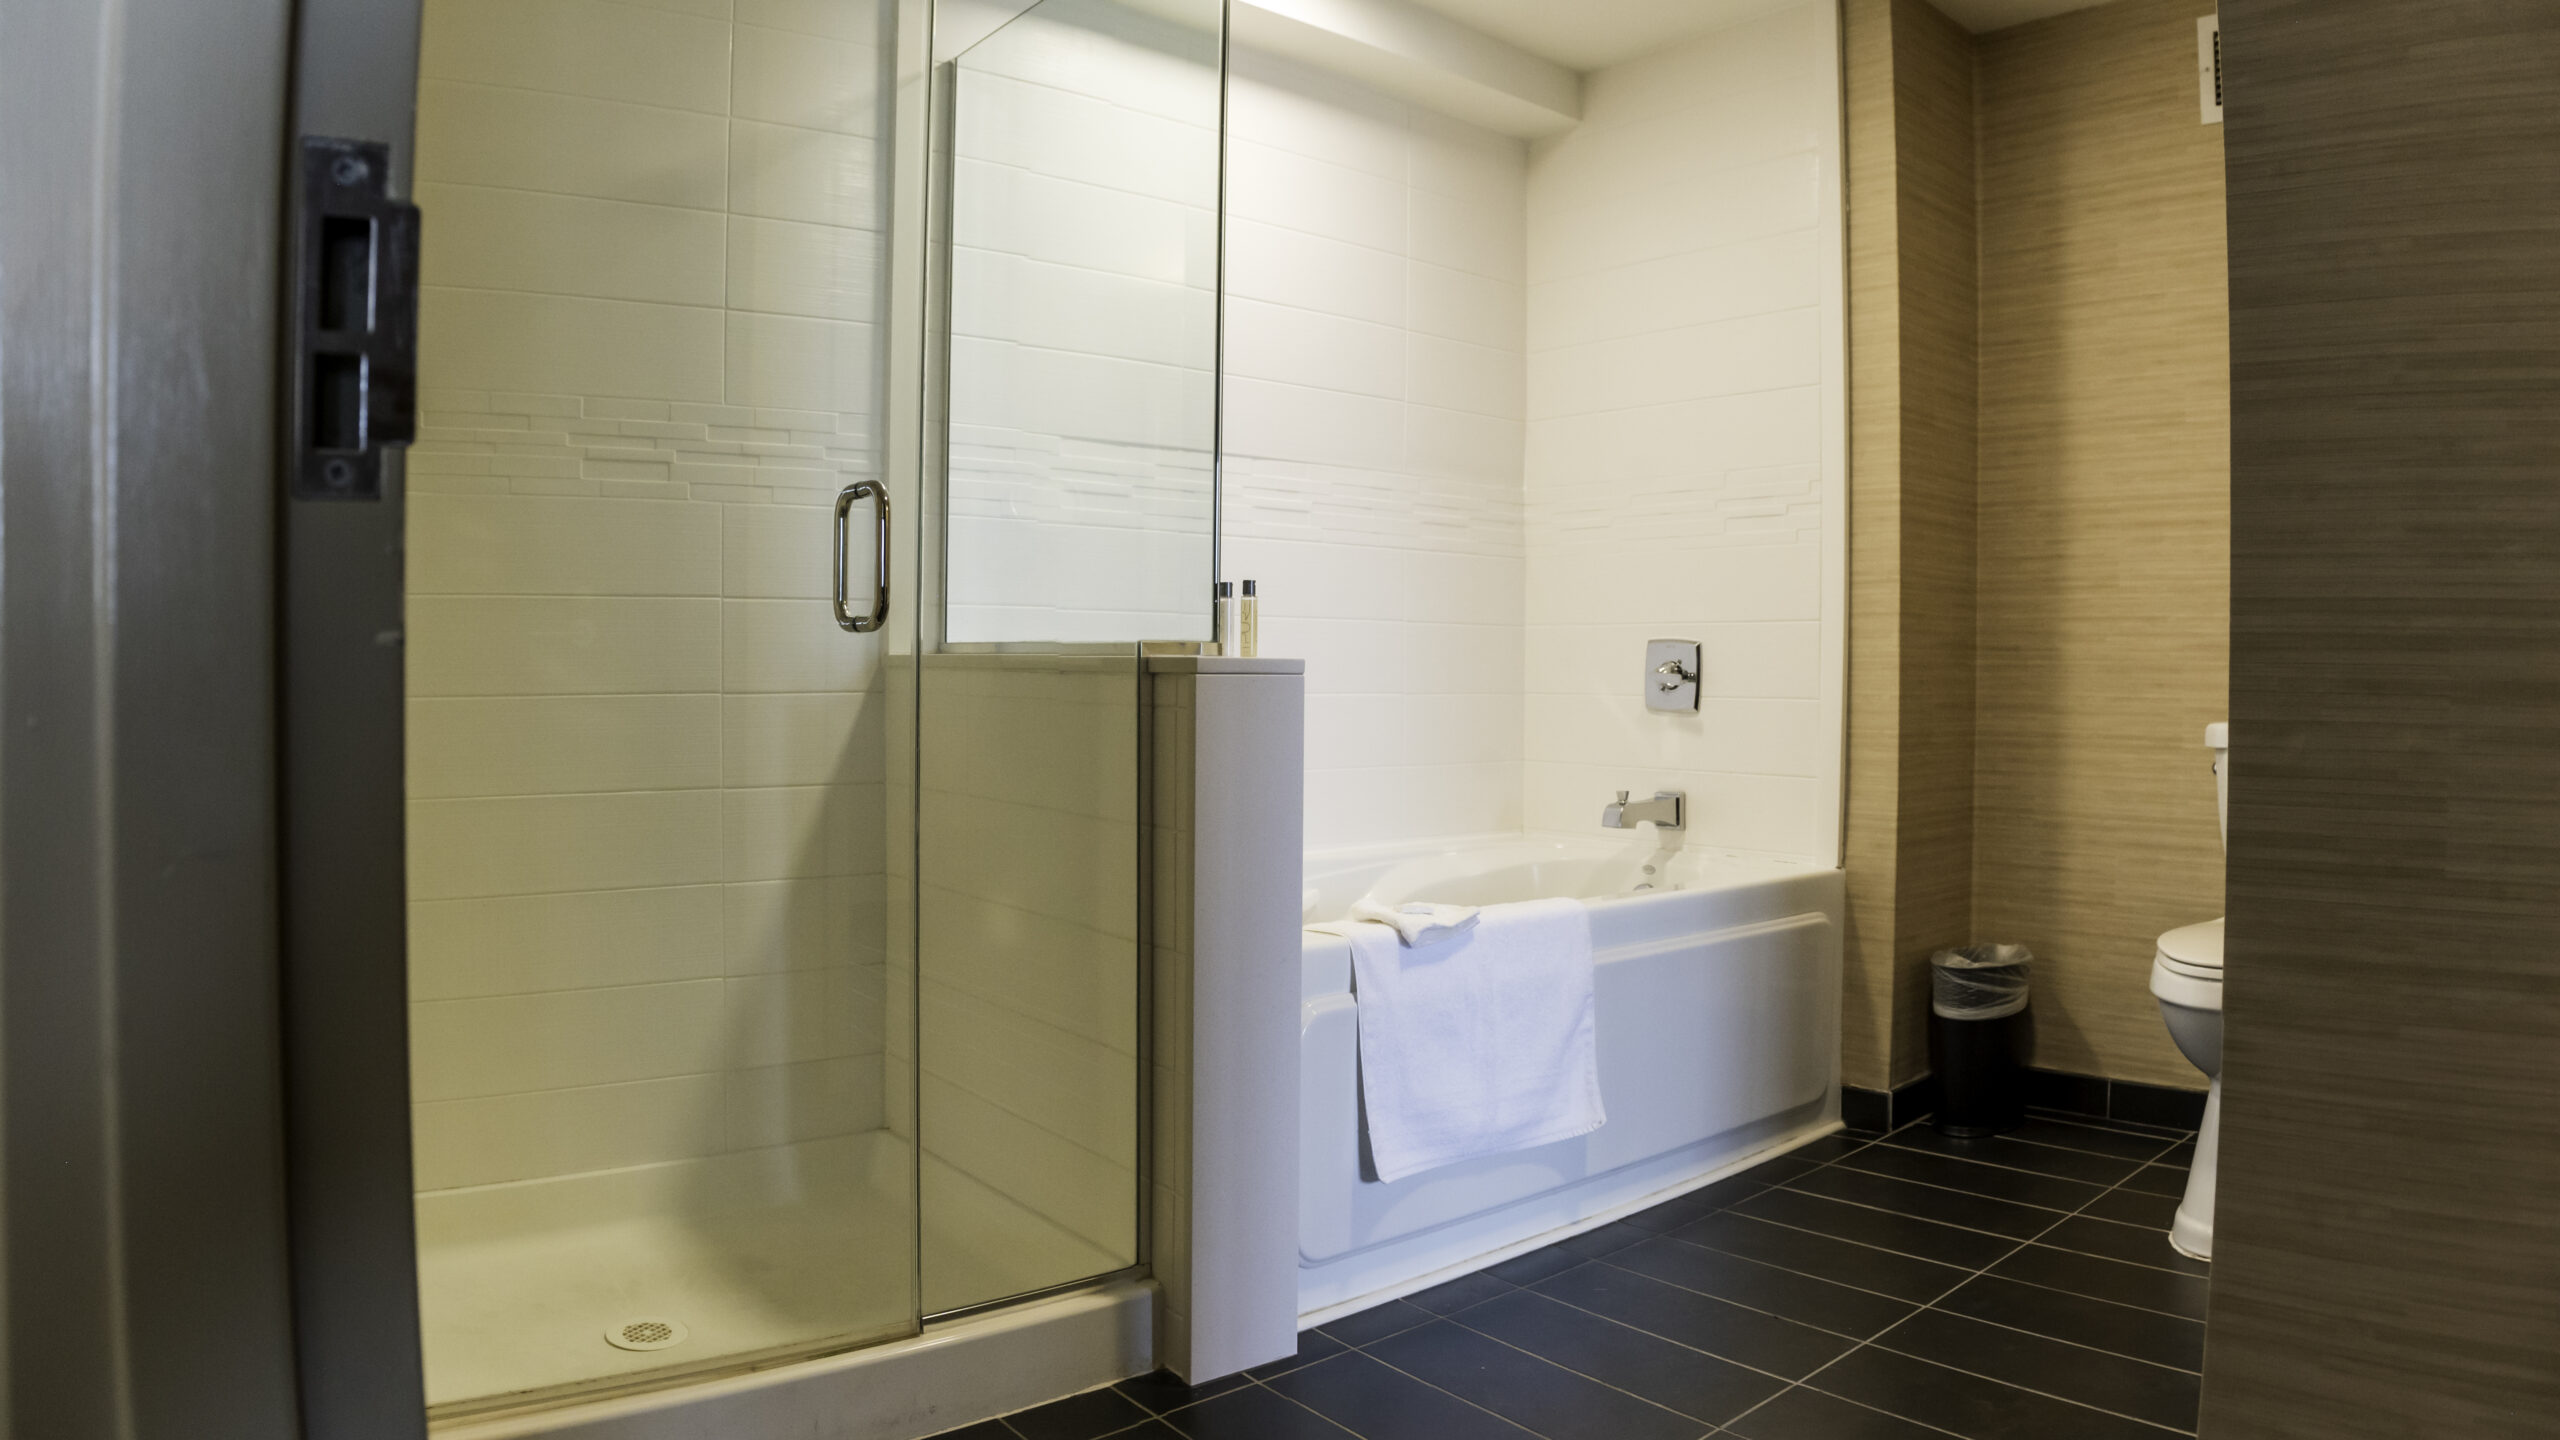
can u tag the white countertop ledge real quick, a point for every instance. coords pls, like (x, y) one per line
(1223, 665)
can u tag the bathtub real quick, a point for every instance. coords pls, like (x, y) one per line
(1718, 992)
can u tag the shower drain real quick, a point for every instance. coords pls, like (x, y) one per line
(645, 1332)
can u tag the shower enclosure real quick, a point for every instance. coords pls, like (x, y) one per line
(816, 414)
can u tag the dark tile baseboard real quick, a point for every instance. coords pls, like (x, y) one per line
(2105, 1099)
(1876, 1111)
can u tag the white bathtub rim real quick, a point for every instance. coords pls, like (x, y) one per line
(1425, 845)
(1383, 857)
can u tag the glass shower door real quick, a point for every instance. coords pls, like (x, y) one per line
(742, 935)
(656, 793)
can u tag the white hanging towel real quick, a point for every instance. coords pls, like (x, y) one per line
(1480, 1043)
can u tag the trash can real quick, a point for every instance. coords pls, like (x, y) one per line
(1978, 1038)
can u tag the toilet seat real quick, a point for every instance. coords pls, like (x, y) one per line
(2186, 967)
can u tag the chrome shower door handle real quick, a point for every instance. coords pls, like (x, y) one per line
(878, 494)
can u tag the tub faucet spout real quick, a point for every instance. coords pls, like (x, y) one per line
(1664, 810)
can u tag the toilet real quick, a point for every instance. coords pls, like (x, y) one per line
(2186, 977)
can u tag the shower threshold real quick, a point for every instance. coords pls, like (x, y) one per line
(955, 1373)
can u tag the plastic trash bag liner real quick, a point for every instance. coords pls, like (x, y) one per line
(1979, 982)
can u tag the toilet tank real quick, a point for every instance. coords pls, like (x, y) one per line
(2218, 737)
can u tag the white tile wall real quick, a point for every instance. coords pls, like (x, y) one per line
(1685, 458)
(645, 767)
(1495, 418)
(1374, 409)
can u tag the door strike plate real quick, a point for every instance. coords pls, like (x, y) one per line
(354, 321)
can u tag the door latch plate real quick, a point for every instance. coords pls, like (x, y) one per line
(354, 320)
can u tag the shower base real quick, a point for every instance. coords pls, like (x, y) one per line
(772, 1251)
(757, 1256)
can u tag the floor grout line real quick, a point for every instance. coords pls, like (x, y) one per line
(2080, 1214)
(1923, 1185)
(2110, 1127)
(1858, 1142)
(2120, 1260)
(1953, 1190)
(2014, 1250)
(2038, 1334)
(1852, 1240)
(1785, 1383)
(2138, 1165)
(1165, 1417)
(1594, 1379)
(1363, 1351)
(2100, 1299)
(1827, 1395)
(1803, 1274)
(2015, 1245)
(1288, 1399)
(1585, 1260)
(2164, 1140)
(1878, 1344)
(2106, 1122)
(1685, 1345)
(1956, 1190)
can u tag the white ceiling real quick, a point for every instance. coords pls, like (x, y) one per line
(1591, 34)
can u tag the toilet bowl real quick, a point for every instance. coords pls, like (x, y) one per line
(2186, 978)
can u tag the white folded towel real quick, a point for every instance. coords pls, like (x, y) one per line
(1418, 922)
(1480, 1043)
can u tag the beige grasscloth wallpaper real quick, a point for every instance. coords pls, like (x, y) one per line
(1911, 722)
(2082, 487)
(2104, 553)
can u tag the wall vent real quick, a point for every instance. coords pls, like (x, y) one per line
(2209, 67)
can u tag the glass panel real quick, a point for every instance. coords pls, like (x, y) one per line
(659, 1124)
(1084, 325)
(1081, 153)
(1028, 853)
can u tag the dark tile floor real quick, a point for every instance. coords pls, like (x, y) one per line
(1864, 1287)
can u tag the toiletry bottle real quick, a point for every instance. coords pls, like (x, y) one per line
(1222, 620)
(1248, 622)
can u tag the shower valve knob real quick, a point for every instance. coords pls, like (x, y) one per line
(1671, 674)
